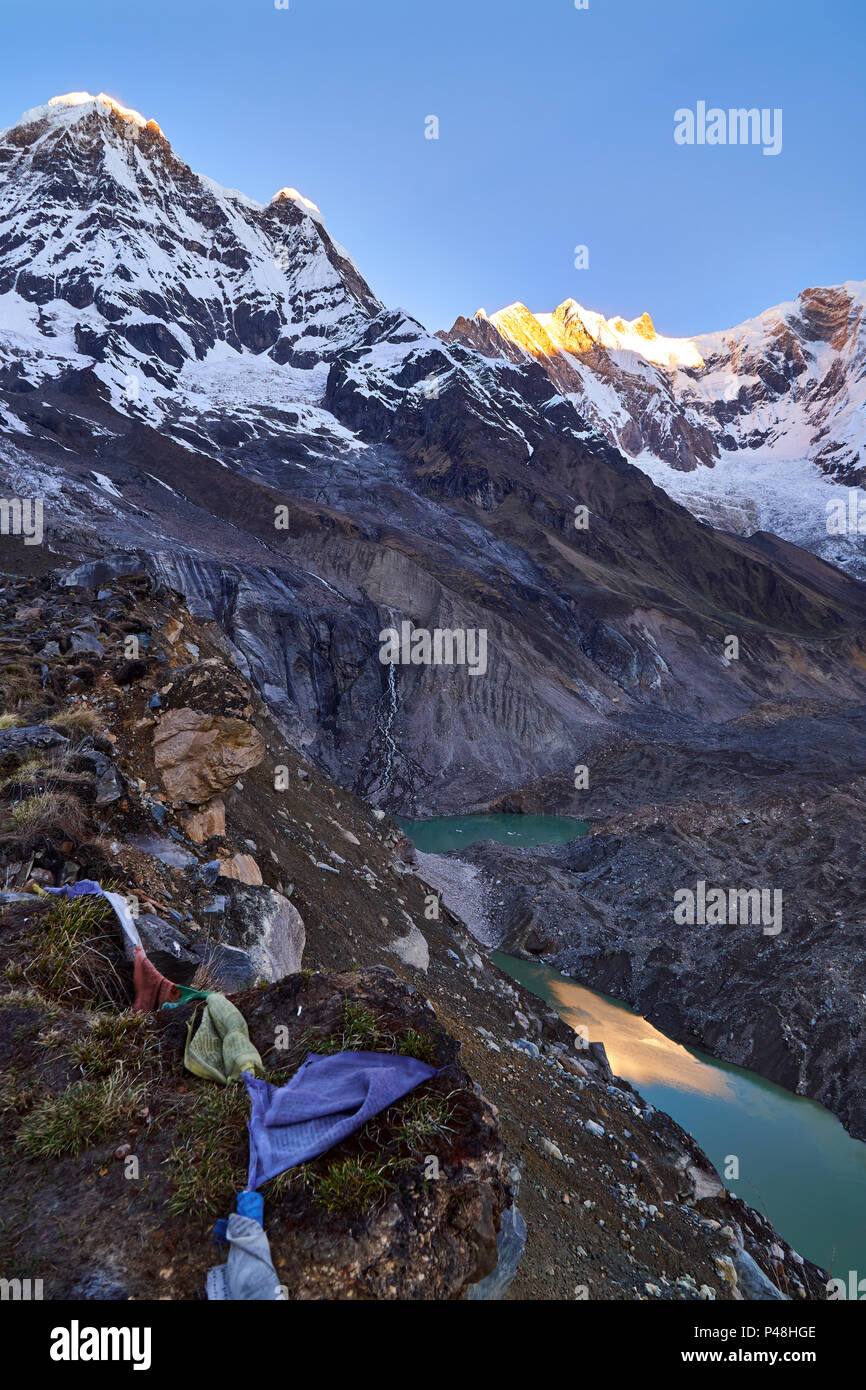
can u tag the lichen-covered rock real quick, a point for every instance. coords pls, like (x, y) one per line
(264, 924)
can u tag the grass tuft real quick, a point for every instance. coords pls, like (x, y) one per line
(125, 1040)
(207, 973)
(39, 815)
(26, 771)
(79, 1117)
(355, 1184)
(423, 1121)
(16, 1096)
(210, 1153)
(415, 1044)
(78, 721)
(364, 1031)
(75, 954)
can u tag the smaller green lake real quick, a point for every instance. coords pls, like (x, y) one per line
(442, 833)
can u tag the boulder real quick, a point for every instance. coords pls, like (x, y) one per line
(752, 1281)
(597, 1052)
(268, 927)
(229, 967)
(207, 820)
(178, 954)
(82, 641)
(109, 785)
(412, 949)
(16, 744)
(201, 755)
(168, 948)
(209, 686)
(243, 868)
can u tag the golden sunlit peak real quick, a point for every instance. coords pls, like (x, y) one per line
(74, 99)
(571, 328)
(644, 327)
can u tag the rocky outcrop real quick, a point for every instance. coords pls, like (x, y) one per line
(17, 743)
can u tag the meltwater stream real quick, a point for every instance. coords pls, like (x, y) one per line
(797, 1164)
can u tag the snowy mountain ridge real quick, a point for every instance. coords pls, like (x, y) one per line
(185, 299)
(180, 366)
(756, 427)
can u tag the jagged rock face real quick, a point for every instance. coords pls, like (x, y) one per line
(775, 405)
(422, 481)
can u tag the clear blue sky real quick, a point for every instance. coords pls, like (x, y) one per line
(556, 129)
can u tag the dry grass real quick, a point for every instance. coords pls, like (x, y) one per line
(77, 722)
(10, 721)
(37, 762)
(39, 774)
(39, 815)
(74, 954)
(207, 975)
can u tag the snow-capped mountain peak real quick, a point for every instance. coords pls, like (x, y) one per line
(138, 265)
(572, 328)
(72, 106)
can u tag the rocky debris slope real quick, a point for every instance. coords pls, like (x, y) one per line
(618, 1202)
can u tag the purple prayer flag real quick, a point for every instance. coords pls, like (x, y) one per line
(327, 1099)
